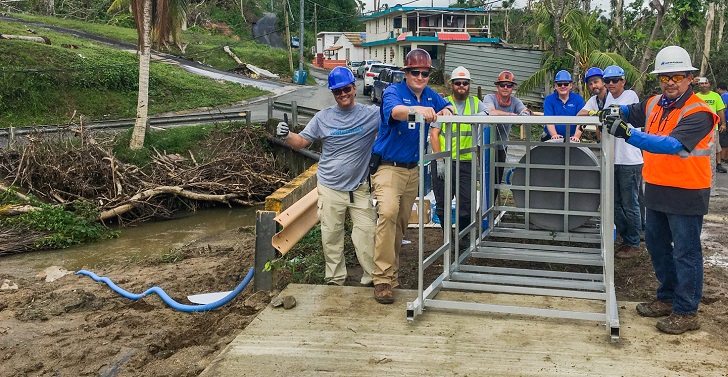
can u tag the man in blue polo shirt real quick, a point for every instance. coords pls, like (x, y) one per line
(395, 156)
(562, 102)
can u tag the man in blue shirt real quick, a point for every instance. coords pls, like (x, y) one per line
(396, 178)
(562, 102)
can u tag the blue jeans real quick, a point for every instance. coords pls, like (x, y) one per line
(673, 242)
(627, 216)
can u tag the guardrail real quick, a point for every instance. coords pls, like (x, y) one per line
(292, 108)
(158, 121)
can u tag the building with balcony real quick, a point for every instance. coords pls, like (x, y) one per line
(393, 32)
(453, 37)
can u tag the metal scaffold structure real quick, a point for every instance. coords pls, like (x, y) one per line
(554, 236)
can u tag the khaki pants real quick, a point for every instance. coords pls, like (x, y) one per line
(395, 190)
(332, 207)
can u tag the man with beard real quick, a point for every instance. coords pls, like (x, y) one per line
(464, 104)
(503, 102)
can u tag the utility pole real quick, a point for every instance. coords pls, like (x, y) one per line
(288, 36)
(300, 38)
(315, 27)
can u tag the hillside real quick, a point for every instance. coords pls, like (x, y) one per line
(48, 84)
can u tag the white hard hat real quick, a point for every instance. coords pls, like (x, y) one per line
(673, 59)
(460, 73)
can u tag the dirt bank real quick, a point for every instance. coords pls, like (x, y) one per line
(76, 327)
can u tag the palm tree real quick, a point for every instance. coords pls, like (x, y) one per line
(163, 20)
(582, 52)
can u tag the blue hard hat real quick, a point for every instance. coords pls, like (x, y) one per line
(613, 71)
(563, 75)
(340, 77)
(593, 71)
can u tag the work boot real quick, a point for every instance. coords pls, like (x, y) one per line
(383, 293)
(654, 309)
(678, 323)
(626, 251)
(720, 169)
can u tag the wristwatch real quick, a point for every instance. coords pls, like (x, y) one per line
(412, 111)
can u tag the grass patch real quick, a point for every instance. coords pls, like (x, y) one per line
(174, 140)
(205, 46)
(42, 84)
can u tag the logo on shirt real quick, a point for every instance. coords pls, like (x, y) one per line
(342, 132)
(407, 101)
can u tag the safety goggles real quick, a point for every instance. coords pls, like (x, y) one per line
(675, 78)
(562, 84)
(612, 80)
(346, 90)
(417, 72)
(461, 83)
(506, 85)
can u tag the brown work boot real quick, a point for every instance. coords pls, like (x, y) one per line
(383, 293)
(654, 309)
(626, 251)
(678, 323)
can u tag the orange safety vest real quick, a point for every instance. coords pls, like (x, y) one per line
(683, 170)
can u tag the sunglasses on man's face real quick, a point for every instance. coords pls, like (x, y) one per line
(675, 78)
(612, 81)
(346, 90)
(417, 72)
(562, 84)
(461, 83)
(506, 85)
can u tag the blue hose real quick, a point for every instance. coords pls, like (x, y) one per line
(165, 297)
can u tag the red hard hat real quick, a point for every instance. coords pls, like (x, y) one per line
(505, 76)
(418, 58)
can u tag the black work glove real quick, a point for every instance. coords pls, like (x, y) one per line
(618, 127)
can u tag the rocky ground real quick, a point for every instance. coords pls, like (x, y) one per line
(76, 327)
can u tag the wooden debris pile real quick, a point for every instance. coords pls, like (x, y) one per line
(230, 166)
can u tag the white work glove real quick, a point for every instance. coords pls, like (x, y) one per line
(440, 169)
(525, 112)
(282, 130)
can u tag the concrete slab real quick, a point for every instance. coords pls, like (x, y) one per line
(342, 331)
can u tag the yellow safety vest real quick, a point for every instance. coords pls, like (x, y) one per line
(465, 138)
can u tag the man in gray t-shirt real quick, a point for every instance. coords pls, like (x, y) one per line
(503, 102)
(347, 132)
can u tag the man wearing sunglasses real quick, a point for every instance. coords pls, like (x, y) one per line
(503, 102)
(395, 179)
(562, 102)
(464, 104)
(347, 131)
(676, 147)
(627, 168)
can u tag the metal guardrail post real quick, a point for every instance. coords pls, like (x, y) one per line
(247, 119)
(270, 107)
(265, 229)
(294, 113)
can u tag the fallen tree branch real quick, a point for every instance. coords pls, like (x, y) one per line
(43, 40)
(17, 209)
(139, 198)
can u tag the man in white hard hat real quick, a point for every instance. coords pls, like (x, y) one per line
(464, 104)
(676, 145)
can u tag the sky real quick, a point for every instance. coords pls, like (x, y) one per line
(604, 4)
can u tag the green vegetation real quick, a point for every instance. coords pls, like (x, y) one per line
(63, 226)
(174, 140)
(42, 84)
(305, 261)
